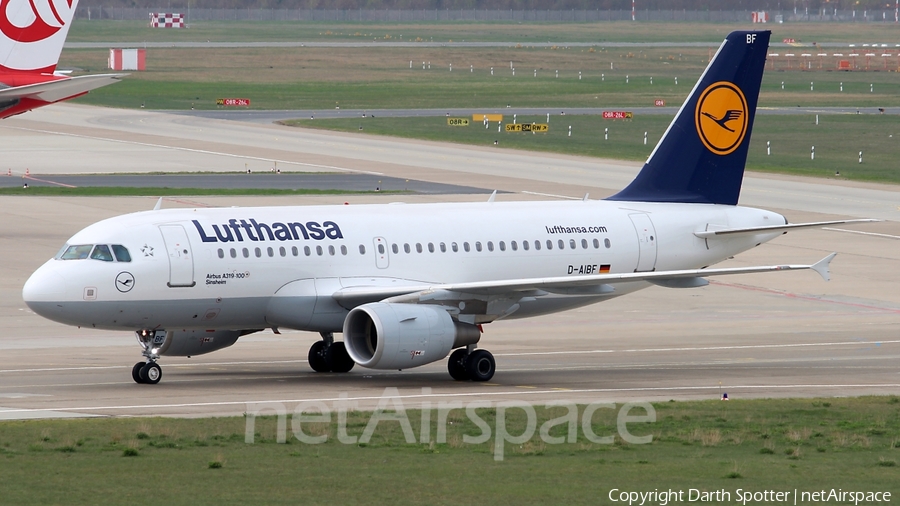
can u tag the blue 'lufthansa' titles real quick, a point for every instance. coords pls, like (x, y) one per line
(235, 231)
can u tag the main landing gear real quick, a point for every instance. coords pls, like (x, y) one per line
(471, 364)
(148, 372)
(329, 356)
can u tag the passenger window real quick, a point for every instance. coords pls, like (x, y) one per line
(502, 246)
(466, 246)
(233, 253)
(537, 245)
(295, 251)
(514, 245)
(221, 253)
(122, 254)
(77, 252)
(562, 244)
(477, 245)
(343, 250)
(246, 253)
(406, 247)
(362, 249)
(418, 247)
(443, 248)
(584, 244)
(258, 252)
(606, 243)
(454, 246)
(380, 249)
(490, 246)
(331, 250)
(431, 247)
(282, 251)
(101, 252)
(394, 248)
(549, 244)
(271, 252)
(307, 251)
(525, 245)
(319, 251)
(572, 244)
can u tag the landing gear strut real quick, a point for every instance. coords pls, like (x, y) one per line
(328, 355)
(148, 372)
(471, 364)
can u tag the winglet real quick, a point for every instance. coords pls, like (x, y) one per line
(158, 205)
(822, 267)
(493, 196)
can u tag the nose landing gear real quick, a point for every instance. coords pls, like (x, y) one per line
(148, 372)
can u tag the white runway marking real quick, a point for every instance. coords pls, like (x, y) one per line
(873, 234)
(705, 348)
(551, 195)
(555, 392)
(201, 151)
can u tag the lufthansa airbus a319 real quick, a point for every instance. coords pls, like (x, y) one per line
(407, 284)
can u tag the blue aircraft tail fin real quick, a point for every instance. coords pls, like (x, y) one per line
(701, 156)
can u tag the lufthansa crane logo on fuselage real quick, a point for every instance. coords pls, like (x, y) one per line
(721, 117)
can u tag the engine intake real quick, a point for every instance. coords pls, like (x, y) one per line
(385, 335)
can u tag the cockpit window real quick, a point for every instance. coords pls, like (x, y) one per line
(101, 252)
(77, 252)
(121, 252)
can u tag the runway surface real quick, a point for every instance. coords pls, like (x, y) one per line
(766, 335)
(350, 182)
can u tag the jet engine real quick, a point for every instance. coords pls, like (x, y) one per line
(384, 335)
(185, 343)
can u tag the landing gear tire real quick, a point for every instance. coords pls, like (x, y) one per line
(136, 372)
(151, 373)
(457, 365)
(337, 356)
(317, 357)
(480, 365)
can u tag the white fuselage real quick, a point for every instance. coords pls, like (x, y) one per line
(252, 268)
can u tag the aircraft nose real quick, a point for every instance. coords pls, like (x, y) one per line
(45, 285)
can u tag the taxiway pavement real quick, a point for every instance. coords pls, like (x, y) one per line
(766, 335)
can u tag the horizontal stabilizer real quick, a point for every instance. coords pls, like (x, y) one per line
(60, 89)
(730, 232)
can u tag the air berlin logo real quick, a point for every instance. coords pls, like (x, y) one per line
(33, 20)
(721, 117)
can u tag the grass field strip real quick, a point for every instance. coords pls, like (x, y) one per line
(200, 151)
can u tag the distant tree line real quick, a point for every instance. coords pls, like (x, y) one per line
(517, 5)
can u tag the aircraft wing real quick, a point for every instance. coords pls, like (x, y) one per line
(709, 234)
(54, 91)
(597, 284)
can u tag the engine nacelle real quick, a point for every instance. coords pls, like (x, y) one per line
(383, 335)
(185, 343)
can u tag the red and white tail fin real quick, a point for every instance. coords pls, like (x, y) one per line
(32, 34)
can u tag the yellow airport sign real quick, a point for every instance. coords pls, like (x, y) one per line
(528, 127)
(458, 121)
(489, 117)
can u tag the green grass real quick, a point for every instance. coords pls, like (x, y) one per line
(838, 139)
(124, 191)
(707, 445)
(233, 31)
